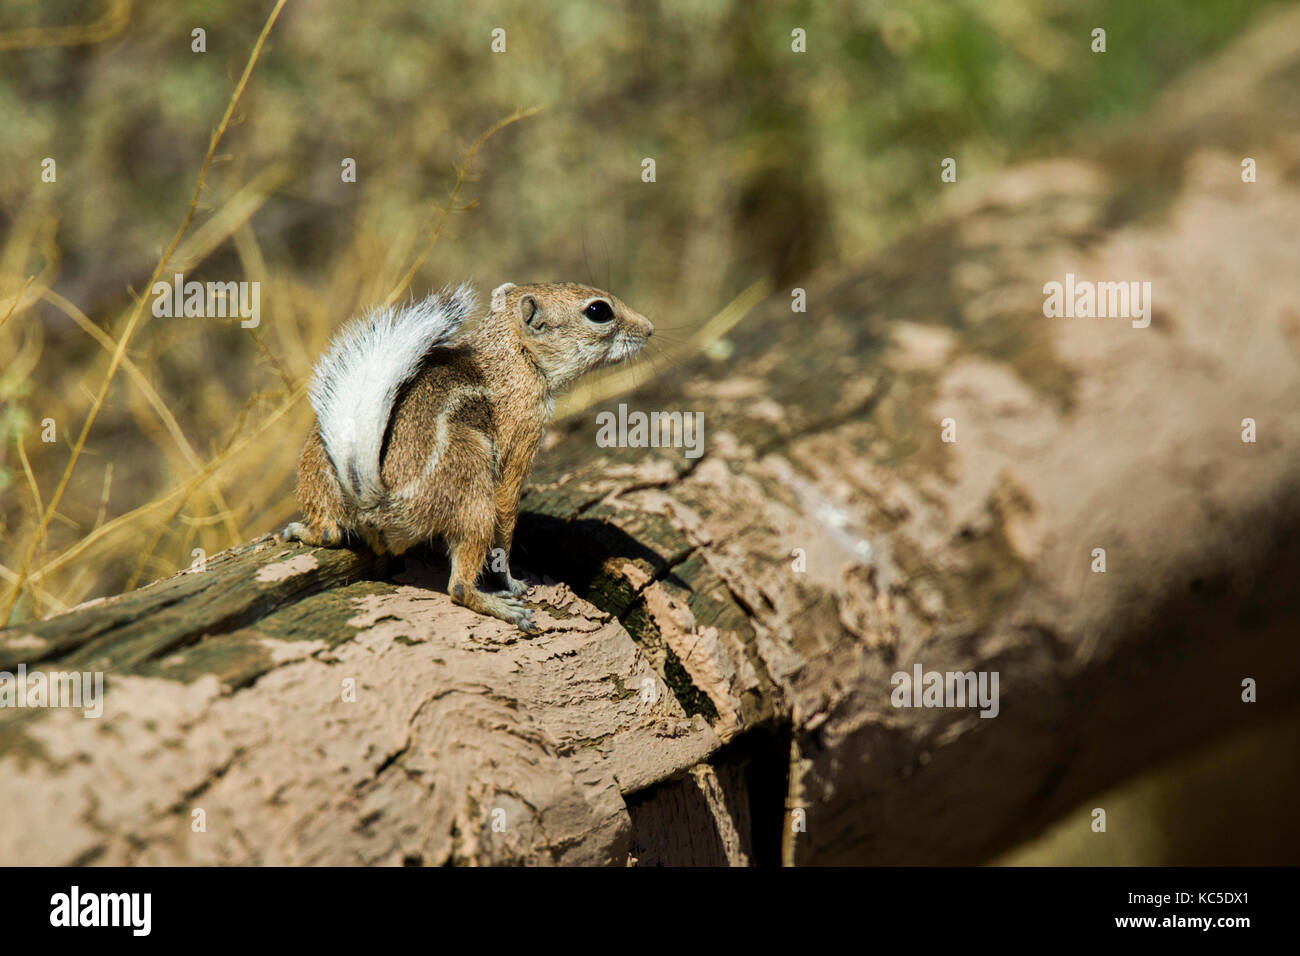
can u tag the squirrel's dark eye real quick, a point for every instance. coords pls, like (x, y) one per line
(599, 311)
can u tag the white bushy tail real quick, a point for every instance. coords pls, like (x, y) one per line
(357, 381)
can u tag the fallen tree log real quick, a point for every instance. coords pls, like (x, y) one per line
(714, 677)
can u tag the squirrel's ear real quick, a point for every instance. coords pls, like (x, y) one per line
(531, 314)
(499, 296)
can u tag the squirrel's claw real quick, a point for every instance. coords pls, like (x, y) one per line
(512, 611)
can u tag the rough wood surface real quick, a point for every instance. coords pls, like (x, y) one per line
(693, 698)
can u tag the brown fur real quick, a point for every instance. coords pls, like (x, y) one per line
(482, 407)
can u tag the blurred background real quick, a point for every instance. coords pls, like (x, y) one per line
(770, 167)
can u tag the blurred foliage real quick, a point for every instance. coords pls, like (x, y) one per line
(769, 164)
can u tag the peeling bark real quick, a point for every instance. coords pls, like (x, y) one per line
(693, 697)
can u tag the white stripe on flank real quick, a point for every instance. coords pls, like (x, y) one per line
(454, 401)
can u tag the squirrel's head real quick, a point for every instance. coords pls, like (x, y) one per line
(571, 329)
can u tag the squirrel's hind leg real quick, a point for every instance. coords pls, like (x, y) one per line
(317, 536)
(467, 558)
(321, 499)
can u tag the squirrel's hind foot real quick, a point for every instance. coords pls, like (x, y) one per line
(312, 535)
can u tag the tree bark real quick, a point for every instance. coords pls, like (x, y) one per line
(713, 681)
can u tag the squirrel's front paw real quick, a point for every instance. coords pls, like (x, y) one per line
(507, 583)
(516, 587)
(512, 611)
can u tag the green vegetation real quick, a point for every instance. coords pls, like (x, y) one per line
(769, 164)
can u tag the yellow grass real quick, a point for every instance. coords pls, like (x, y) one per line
(38, 536)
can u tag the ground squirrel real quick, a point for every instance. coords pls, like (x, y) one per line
(422, 431)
